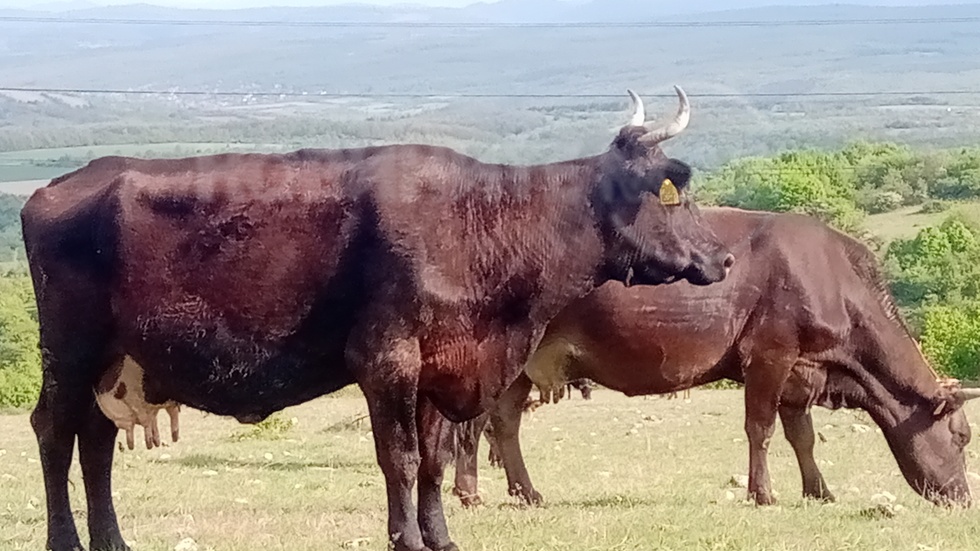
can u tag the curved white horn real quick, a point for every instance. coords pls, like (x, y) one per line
(675, 126)
(639, 115)
(965, 394)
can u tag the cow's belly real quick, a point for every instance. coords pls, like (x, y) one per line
(235, 377)
(638, 367)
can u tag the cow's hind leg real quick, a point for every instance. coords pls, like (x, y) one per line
(798, 428)
(74, 354)
(55, 423)
(493, 453)
(65, 410)
(95, 450)
(435, 447)
(466, 486)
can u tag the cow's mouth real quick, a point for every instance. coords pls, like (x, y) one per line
(647, 276)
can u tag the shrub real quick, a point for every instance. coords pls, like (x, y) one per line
(934, 206)
(20, 357)
(949, 339)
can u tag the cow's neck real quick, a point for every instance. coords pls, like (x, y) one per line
(563, 246)
(893, 378)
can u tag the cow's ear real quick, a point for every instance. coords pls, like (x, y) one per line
(945, 404)
(679, 173)
(952, 396)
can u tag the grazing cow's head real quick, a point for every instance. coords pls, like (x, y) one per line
(929, 447)
(653, 231)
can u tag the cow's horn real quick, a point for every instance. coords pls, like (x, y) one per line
(639, 115)
(675, 126)
(965, 394)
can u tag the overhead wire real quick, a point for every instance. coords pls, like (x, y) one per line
(489, 24)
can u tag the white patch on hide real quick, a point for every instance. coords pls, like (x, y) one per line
(124, 403)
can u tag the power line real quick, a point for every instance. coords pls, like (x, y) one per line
(464, 95)
(490, 25)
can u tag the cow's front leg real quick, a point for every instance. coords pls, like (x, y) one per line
(763, 385)
(798, 428)
(387, 371)
(506, 421)
(436, 447)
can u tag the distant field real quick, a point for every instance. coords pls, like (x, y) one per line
(24, 187)
(23, 165)
(907, 222)
(617, 474)
(185, 148)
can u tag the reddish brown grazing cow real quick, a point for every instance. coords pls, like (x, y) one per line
(242, 284)
(803, 320)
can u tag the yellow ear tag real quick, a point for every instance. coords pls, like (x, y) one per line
(668, 193)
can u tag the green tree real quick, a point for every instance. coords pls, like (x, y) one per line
(950, 339)
(20, 358)
(807, 182)
(939, 265)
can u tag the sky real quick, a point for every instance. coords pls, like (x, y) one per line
(224, 4)
(242, 3)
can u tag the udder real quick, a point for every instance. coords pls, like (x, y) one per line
(548, 368)
(121, 398)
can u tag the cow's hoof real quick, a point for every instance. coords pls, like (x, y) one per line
(762, 499)
(823, 495)
(528, 496)
(109, 545)
(468, 499)
(67, 544)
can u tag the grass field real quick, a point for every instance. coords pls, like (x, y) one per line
(616, 473)
(907, 222)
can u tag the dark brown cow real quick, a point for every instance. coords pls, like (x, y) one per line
(803, 320)
(242, 284)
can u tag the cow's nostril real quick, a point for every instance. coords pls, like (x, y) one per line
(729, 261)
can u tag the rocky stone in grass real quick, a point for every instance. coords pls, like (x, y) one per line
(186, 544)
(739, 481)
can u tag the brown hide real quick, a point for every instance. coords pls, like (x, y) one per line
(803, 319)
(242, 284)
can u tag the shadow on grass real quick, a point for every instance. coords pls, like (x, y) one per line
(207, 461)
(602, 502)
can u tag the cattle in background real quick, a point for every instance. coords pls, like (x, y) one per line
(243, 284)
(686, 392)
(804, 319)
(584, 386)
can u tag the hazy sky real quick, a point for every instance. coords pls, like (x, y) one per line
(243, 3)
(224, 4)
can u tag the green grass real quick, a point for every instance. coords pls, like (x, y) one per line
(907, 222)
(616, 473)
